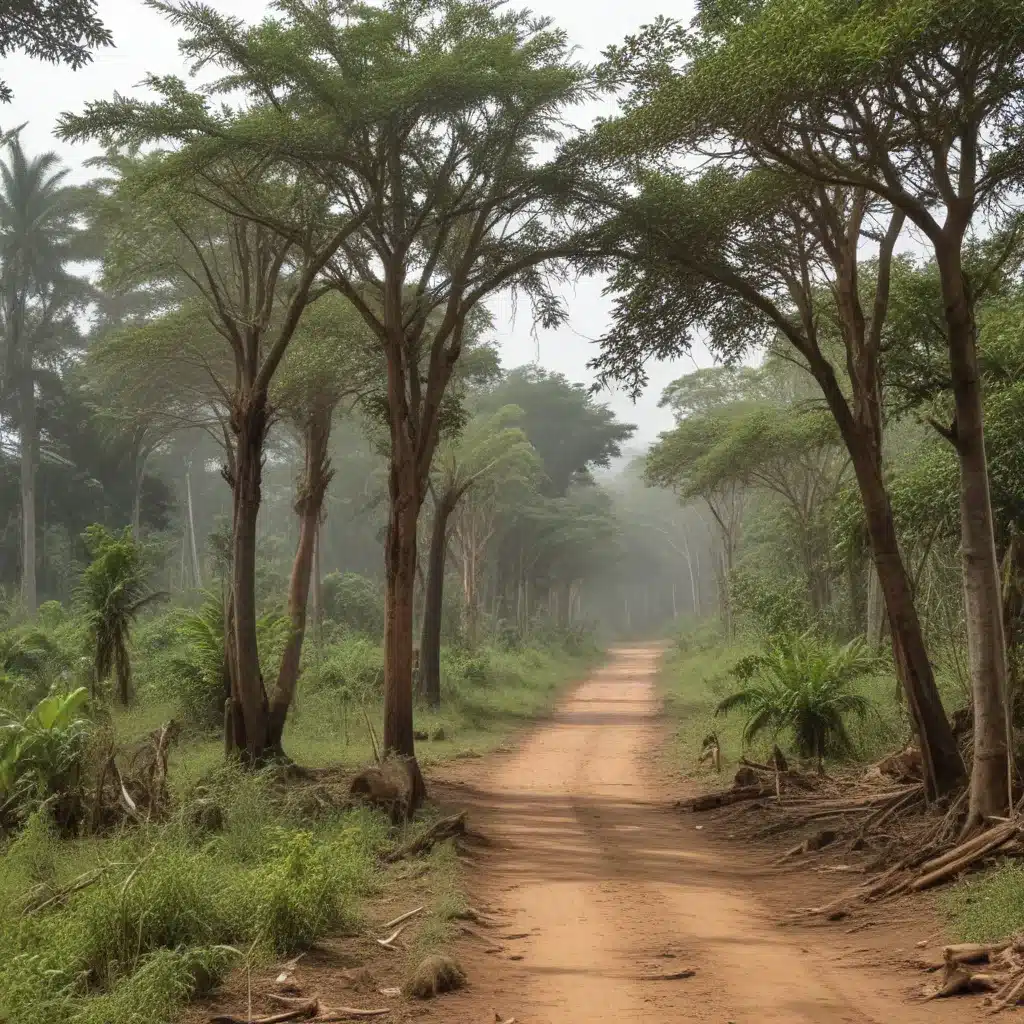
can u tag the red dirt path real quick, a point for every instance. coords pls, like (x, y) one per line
(611, 887)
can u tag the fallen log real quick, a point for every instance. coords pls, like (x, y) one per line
(446, 828)
(996, 838)
(967, 847)
(712, 801)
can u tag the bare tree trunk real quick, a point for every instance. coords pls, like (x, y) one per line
(943, 766)
(29, 460)
(308, 505)
(316, 596)
(250, 426)
(430, 638)
(875, 624)
(197, 575)
(400, 569)
(986, 640)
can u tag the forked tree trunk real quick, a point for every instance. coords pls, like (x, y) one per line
(249, 423)
(986, 640)
(29, 460)
(308, 506)
(430, 637)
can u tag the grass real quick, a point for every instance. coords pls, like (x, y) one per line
(485, 698)
(170, 910)
(987, 907)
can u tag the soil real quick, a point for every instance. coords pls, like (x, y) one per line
(605, 898)
(601, 902)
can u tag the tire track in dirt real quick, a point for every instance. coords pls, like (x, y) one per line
(612, 888)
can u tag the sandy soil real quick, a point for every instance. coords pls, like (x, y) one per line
(603, 890)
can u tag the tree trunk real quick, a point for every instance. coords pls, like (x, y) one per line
(197, 577)
(140, 475)
(308, 505)
(430, 638)
(400, 570)
(29, 460)
(986, 641)
(250, 425)
(943, 766)
(875, 610)
(316, 597)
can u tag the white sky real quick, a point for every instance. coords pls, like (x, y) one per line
(144, 42)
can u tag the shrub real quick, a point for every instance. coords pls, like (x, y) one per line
(41, 754)
(801, 683)
(354, 601)
(775, 604)
(198, 662)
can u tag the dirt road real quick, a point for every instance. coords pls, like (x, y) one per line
(603, 888)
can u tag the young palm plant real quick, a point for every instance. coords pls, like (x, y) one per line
(201, 665)
(112, 592)
(801, 683)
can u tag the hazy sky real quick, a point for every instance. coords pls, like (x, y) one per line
(144, 42)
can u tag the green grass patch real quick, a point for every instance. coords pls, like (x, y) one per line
(987, 907)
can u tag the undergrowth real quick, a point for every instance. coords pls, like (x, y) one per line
(172, 908)
(697, 675)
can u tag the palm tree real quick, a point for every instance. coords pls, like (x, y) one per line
(802, 683)
(112, 591)
(39, 236)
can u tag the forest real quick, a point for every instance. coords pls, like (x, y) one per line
(275, 508)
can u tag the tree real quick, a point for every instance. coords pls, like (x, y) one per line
(917, 104)
(332, 358)
(571, 431)
(748, 248)
(678, 462)
(151, 379)
(791, 450)
(57, 31)
(470, 474)
(171, 221)
(113, 591)
(38, 239)
(423, 122)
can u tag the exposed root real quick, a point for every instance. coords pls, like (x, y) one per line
(446, 828)
(307, 1010)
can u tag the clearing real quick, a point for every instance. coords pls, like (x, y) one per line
(606, 895)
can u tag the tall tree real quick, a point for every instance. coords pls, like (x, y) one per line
(490, 453)
(40, 297)
(332, 360)
(170, 221)
(748, 247)
(424, 122)
(917, 104)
